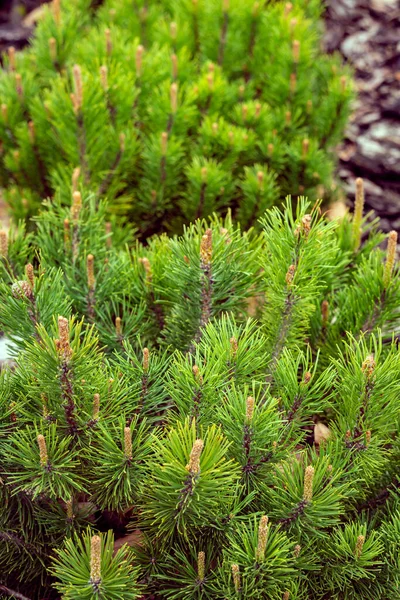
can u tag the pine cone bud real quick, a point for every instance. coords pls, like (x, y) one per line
(44, 459)
(249, 409)
(53, 49)
(95, 560)
(297, 550)
(194, 460)
(139, 60)
(206, 247)
(368, 366)
(63, 335)
(29, 274)
(76, 206)
(3, 244)
(358, 213)
(201, 565)
(359, 546)
(107, 34)
(104, 77)
(325, 312)
(262, 538)
(90, 271)
(197, 375)
(11, 58)
(308, 484)
(390, 258)
(146, 360)
(96, 406)
(70, 510)
(78, 86)
(234, 346)
(147, 267)
(128, 443)
(236, 577)
(22, 289)
(164, 143)
(290, 275)
(75, 178)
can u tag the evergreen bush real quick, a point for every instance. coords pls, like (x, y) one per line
(239, 456)
(172, 110)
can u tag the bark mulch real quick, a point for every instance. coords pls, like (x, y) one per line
(367, 33)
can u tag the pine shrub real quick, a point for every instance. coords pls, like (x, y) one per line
(172, 110)
(224, 402)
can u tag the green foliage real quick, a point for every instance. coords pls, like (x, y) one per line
(193, 387)
(174, 111)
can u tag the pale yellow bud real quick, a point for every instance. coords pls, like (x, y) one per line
(3, 244)
(308, 484)
(296, 50)
(95, 560)
(96, 406)
(107, 34)
(53, 49)
(206, 247)
(78, 86)
(63, 337)
(128, 443)
(249, 409)
(90, 271)
(146, 360)
(139, 60)
(174, 98)
(358, 213)
(194, 460)
(44, 459)
(104, 77)
(236, 577)
(390, 258)
(359, 546)
(262, 538)
(164, 143)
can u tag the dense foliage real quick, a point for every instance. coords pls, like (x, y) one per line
(173, 109)
(238, 456)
